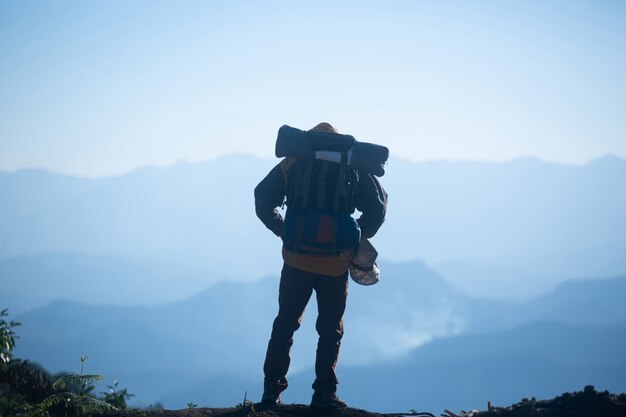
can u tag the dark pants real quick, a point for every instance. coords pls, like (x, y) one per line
(296, 287)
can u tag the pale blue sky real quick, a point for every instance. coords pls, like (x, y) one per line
(100, 88)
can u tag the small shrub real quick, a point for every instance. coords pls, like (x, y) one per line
(7, 337)
(75, 394)
(117, 397)
(12, 401)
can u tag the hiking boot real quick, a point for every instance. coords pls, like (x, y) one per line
(270, 397)
(327, 399)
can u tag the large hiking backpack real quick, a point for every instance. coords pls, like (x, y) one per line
(366, 157)
(320, 201)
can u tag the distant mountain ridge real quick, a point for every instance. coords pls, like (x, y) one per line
(35, 280)
(241, 314)
(529, 358)
(578, 302)
(542, 221)
(220, 334)
(463, 372)
(107, 249)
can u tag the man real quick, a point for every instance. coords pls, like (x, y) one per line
(335, 191)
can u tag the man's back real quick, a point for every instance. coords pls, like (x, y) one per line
(319, 239)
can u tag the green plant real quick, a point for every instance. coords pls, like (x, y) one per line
(12, 402)
(191, 406)
(7, 337)
(26, 389)
(117, 397)
(246, 404)
(81, 401)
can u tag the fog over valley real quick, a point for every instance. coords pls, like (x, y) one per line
(168, 281)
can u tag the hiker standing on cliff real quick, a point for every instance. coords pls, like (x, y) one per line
(320, 238)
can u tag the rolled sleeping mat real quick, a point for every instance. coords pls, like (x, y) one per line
(302, 144)
(370, 157)
(328, 141)
(364, 156)
(292, 142)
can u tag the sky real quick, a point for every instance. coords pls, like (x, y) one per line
(98, 88)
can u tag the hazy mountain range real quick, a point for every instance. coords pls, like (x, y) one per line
(228, 320)
(462, 372)
(410, 342)
(514, 228)
(500, 280)
(30, 281)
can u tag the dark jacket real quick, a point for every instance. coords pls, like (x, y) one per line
(370, 200)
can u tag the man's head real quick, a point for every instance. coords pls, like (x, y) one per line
(323, 127)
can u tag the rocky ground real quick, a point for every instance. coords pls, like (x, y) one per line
(259, 410)
(587, 403)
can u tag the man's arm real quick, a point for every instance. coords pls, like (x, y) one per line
(371, 201)
(268, 195)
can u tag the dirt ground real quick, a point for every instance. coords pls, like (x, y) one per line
(587, 403)
(258, 410)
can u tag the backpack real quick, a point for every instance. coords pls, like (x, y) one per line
(320, 201)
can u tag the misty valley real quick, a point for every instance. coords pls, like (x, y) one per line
(499, 281)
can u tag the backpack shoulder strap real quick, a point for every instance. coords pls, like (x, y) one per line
(298, 183)
(305, 183)
(321, 184)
